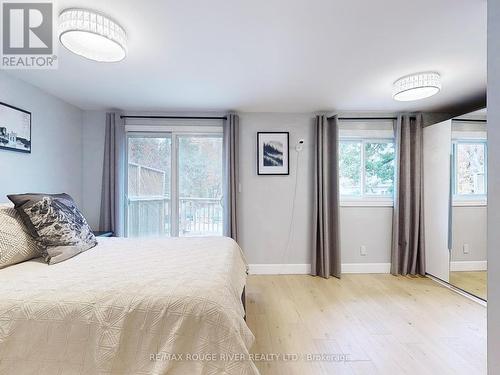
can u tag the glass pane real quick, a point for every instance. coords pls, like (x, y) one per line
(379, 168)
(148, 210)
(200, 186)
(470, 168)
(350, 168)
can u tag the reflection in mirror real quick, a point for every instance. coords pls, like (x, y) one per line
(468, 262)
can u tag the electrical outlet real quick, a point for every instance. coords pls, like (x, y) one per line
(466, 248)
(362, 250)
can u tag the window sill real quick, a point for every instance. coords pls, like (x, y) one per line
(366, 203)
(471, 203)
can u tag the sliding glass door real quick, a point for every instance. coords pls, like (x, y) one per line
(174, 184)
(149, 185)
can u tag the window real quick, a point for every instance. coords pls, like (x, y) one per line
(174, 184)
(469, 170)
(366, 171)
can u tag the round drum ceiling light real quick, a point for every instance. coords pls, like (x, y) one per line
(416, 86)
(92, 35)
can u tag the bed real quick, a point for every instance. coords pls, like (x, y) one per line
(128, 306)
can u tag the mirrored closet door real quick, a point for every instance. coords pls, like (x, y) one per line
(468, 261)
(455, 201)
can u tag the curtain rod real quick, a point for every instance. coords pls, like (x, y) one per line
(181, 117)
(364, 118)
(468, 120)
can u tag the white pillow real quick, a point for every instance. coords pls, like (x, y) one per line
(16, 245)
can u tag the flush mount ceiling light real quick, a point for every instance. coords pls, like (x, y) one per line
(416, 86)
(92, 35)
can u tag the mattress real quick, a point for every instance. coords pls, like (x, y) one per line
(128, 306)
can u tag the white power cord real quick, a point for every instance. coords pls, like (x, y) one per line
(285, 252)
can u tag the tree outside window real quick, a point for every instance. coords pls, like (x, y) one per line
(366, 169)
(469, 168)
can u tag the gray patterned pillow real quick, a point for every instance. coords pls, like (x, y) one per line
(56, 224)
(16, 245)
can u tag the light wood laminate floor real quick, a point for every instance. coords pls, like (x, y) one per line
(382, 325)
(474, 282)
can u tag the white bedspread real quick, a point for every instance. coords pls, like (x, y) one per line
(128, 306)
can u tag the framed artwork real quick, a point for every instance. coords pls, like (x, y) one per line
(273, 153)
(15, 129)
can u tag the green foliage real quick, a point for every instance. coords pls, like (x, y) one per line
(379, 167)
(350, 167)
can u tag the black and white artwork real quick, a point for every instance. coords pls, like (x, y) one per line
(272, 153)
(15, 129)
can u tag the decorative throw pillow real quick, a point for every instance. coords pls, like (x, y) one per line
(16, 245)
(57, 225)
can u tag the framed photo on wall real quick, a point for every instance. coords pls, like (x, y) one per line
(273, 153)
(15, 129)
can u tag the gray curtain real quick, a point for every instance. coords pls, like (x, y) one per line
(326, 243)
(408, 252)
(231, 175)
(113, 177)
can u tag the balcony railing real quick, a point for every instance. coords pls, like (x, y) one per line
(151, 216)
(148, 216)
(200, 216)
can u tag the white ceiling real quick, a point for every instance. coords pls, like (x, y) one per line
(276, 55)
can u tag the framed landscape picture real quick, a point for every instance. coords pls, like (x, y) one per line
(15, 129)
(272, 153)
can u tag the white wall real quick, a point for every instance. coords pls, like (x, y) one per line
(55, 163)
(493, 187)
(366, 226)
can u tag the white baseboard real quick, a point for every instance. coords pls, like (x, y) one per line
(366, 268)
(279, 269)
(305, 269)
(472, 265)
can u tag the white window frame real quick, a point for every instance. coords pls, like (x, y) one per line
(468, 199)
(138, 131)
(366, 200)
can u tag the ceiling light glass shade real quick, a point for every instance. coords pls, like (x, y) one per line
(92, 35)
(416, 86)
